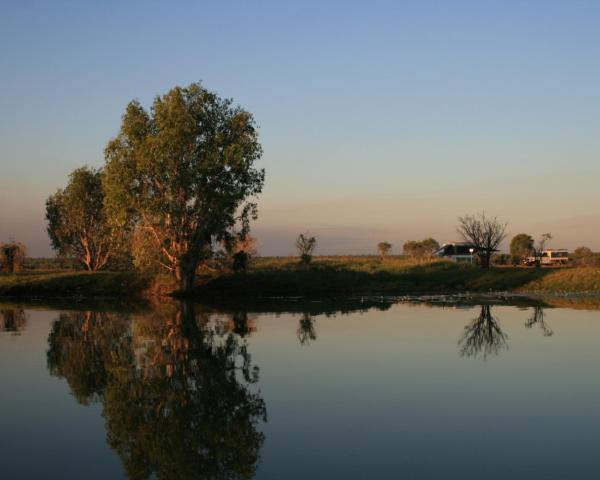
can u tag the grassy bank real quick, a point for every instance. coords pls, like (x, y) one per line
(71, 284)
(394, 276)
(327, 276)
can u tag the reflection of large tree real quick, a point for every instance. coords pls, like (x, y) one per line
(175, 390)
(482, 336)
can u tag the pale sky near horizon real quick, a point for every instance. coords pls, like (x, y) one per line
(379, 120)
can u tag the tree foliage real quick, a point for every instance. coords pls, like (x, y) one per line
(585, 257)
(521, 245)
(184, 172)
(77, 222)
(12, 257)
(305, 246)
(422, 249)
(383, 248)
(484, 233)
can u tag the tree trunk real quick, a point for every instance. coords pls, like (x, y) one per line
(186, 275)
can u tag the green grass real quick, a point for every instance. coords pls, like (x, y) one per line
(325, 277)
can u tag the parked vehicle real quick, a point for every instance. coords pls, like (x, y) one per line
(549, 257)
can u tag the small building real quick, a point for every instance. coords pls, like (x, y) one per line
(457, 251)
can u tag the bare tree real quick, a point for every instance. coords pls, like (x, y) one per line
(484, 233)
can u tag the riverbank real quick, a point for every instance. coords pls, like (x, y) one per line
(395, 276)
(327, 276)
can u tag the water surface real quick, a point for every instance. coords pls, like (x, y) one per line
(353, 390)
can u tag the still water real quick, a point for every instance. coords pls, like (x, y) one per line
(357, 390)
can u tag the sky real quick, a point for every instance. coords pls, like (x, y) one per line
(380, 121)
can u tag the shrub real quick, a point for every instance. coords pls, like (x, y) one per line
(383, 248)
(12, 257)
(305, 245)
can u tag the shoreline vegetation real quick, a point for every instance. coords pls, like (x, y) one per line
(326, 276)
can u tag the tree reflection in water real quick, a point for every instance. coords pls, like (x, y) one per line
(12, 319)
(537, 318)
(483, 336)
(306, 332)
(175, 388)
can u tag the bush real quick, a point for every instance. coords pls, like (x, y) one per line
(12, 257)
(305, 245)
(502, 259)
(584, 256)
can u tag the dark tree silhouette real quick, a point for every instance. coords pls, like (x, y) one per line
(306, 329)
(482, 336)
(12, 320)
(537, 318)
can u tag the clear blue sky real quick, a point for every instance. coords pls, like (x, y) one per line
(379, 120)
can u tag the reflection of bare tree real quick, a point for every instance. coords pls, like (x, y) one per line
(175, 390)
(483, 336)
(306, 329)
(12, 320)
(537, 318)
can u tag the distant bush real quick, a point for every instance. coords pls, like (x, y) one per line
(422, 249)
(584, 256)
(12, 257)
(383, 248)
(305, 245)
(502, 259)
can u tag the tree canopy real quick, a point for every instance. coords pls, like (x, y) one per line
(77, 222)
(184, 173)
(422, 249)
(521, 245)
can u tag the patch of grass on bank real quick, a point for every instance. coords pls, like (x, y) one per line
(73, 284)
(567, 280)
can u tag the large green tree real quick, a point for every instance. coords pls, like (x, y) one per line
(77, 222)
(521, 245)
(184, 173)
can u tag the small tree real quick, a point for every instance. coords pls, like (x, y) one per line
(428, 246)
(12, 257)
(305, 245)
(484, 233)
(585, 257)
(521, 246)
(240, 250)
(77, 223)
(422, 249)
(383, 248)
(541, 246)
